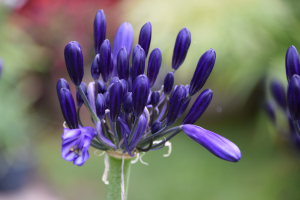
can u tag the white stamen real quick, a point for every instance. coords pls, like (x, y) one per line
(106, 170)
(122, 179)
(136, 159)
(65, 125)
(142, 160)
(99, 154)
(107, 111)
(146, 111)
(168, 144)
(121, 142)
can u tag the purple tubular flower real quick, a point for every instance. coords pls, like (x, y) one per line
(138, 62)
(140, 92)
(91, 95)
(292, 62)
(99, 30)
(123, 64)
(156, 126)
(95, 68)
(101, 87)
(74, 62)
(106, 97)
(199, 107)
(270, 111)
(138, 132)
(100, 106)
(154, 64)
(145, 37)
(61, 83)
(155, 98)
(102, 137)
(79, 99)
(181, 47)
(203, 70)
(75, 144)
(68, 109)
(278, 93)
(127, 102)
(293, 97)
(124, 37)
(216, 144)
(168, 83)
(105, 60)
(115, 96)
(176, 103)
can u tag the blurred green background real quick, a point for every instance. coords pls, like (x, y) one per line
(250, 38)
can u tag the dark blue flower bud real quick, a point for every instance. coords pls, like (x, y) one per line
(186, 103)
(168, 83)
(199, 107)
(176, 103)
(155, 98)
(154, 64)
(278, 93)
(95, 68)
(127, 102)
(269, 108)
(129, 82)
(140, 92)
(156, 126)
(74, 62)
(145, 37)
(292, 62)
(124, 86)
(68, 109)
(101, 87)
(105, 60)
(61, 83)
(99, 30)
(203, 70)
(293, 97)
(181, 47)
(115, 96)
(79, 99)
(123, 64)
(100, 106)
(106, 97)
(138, 62)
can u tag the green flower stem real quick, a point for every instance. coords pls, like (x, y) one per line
(86, 103)
(114, 176)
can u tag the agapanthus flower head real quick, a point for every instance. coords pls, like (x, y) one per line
(129, 116)
(292, 65)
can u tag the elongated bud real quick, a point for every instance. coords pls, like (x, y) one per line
(124, 86)
(95, 68)
(127, 102)
(68, 109)
(105, 60)
(278, 93)
(216, 144)
(115, 96)
(61, 83)
(199, 107)
(176, 103)
(156, 126)
(181, 47)
(168, 83)
(99, 30)
(293, 97)
(138, 62)
(145, 37)
(79, 99)
(203, 70)
(140, 92)
(123, 64)
(74, 62)
(186, 103)
(269, 108)
(154, 64)
(101, 87)
(106, 97)
(155, 98)
(100, 106)
(292, 62)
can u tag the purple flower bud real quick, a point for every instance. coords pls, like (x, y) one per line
(74, 62)
(102, 138)
(115, 96)
(105, 60)
(101, 87)
(293, 97)
(168, 83)
(61, 83)
(181, 47)
(123, 64)
(145, 37)
(176, 103)
(216, 144)
(199, 107)
(292, 62)
(154, 64)
(140, 92)
(127, 102)
(186, 103)
(106, 97)
(278, 93)
(124, 37)
(203, 70)
(155, 98)
(139, 132)
(68, 109)
(156, 126)
(129, 82)
(79, 99)
(95, 68)
(99, 30)
(138, 62)
(91, 95)
(100, 106)
(124, 86)
(269, 108)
